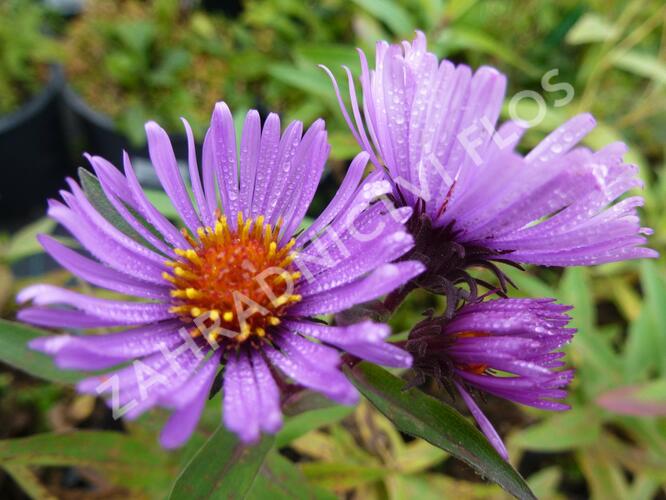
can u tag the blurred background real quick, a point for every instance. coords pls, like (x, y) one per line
(81, 76)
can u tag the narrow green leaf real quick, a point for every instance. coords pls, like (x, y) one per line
(575, 428)
(391, 13)
(299, 425)
(420, 415)
(640, 355)
(14, 351)
(645, 65)
(545, 481)
(28, 481)
(438, 486)
(605, 477)
(126, 460)
(96, 195)
(333, 56)
(529, 284)
(655, 298)
(278, 479)
(222, 468)
(25, 243)
(589, 349)
(342, 475)
(310, 80)
(98, 199)
(419, 456)
(162, 202)
(575, 290)
(591, 28)
(467, 37)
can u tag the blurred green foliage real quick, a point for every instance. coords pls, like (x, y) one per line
(611, 445)
(25, 52)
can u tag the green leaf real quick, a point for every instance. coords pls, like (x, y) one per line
(162, 203)
(299, 425)
(14, 351)
(529, 284)
(420, 415)
(467, 37)
(310, 80)
(605, 478)
(278, 479)
(28, 481)
(575, 428)
(544, 482)
(655, 298)
(24, 243)
(333, 56)
(222, 468)
(391, 13)
(590, 350)
(6, 285)
(126, 460)
(640, 355)
(645, 65)
(98, 199)
(342, 476)
(438, 486)
(136, 35)
(306, 401)
(418, 456)
(575, 290)
(590, 28)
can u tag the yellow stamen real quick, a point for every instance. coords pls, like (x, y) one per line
(168, 277)
(184, 273)
(223, 260)
(258, 225)
(246, 229)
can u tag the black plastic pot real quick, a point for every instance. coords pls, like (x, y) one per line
(95, 133)
(231, 8)
(33, 153)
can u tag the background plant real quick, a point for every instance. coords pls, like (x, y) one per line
(137, 61)
(25, 51)
(611, 445)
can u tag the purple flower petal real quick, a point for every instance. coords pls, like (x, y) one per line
(189, 402)
(381, 281)
(166, 167)
(483, 422)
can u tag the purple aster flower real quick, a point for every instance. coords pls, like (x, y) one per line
(503, 347)
(238, 287)
(431, 126)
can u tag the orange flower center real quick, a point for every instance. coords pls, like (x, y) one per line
(476, 368)
(233, 283)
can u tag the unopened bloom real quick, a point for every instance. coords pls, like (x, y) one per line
(431, 126)
(504, 347)
(236, 289)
